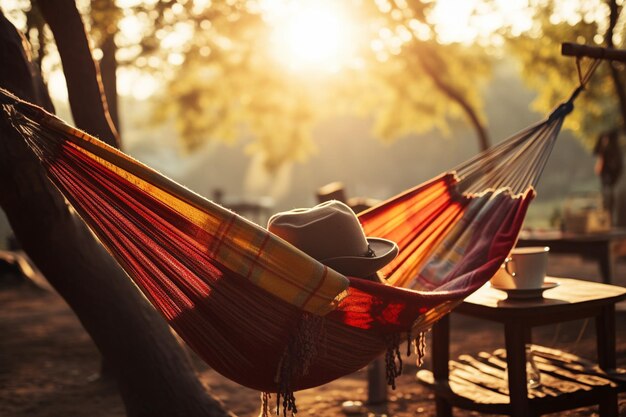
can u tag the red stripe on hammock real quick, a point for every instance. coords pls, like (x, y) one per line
(230, 322)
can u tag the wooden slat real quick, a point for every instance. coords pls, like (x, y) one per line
(463, 389)
(477, 393)
(486, 368)
(496, 360)
(562, 356)
(474, 376)
(577, 364)
(480, 382)
(565, 371)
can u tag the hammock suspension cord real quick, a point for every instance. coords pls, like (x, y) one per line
(520, 160)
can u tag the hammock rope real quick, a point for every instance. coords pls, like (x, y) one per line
(258, 310)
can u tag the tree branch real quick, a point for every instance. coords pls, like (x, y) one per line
(455, 96)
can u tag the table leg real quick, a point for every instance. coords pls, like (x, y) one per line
(605, 338)
(606, 262)
(608, 405)
(515, 334)
(528, 335)
(441, 356)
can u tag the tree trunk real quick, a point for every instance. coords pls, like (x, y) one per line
(153, 373)
(84, 86)
(108, 66)
(455, 96)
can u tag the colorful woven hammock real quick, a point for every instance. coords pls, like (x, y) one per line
(255, 308)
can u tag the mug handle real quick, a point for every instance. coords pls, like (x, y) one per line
(507, 261)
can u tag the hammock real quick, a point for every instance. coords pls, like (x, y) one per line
(258, 310)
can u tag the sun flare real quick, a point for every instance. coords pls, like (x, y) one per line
(310, 35)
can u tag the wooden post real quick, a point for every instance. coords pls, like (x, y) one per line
(377, 381)
(440, 348)
(598, 52)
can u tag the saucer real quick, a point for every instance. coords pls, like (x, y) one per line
(527, 293)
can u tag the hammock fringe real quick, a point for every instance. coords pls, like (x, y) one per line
(393, 359)
(420, 348)
(302, 348)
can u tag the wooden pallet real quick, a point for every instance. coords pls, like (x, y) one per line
(568, 381)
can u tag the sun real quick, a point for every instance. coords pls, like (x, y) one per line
(310, 35)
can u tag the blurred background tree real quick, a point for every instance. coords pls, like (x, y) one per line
(271, 70)
(602, 107)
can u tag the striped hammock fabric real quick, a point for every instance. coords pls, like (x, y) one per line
(255, 308)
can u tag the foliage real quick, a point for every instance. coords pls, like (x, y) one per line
(224, 81)
(219, 79)
(422, 81)
(554, 77)
(222, 84)
(104, 17)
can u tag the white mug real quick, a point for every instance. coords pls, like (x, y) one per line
(524, 269)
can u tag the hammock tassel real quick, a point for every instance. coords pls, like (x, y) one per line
(393, 359)
(301, 349)
(420, 348)
(265, 404)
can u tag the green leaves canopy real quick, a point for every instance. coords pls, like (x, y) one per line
(223, 82)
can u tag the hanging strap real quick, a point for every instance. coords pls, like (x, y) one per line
(583, 76)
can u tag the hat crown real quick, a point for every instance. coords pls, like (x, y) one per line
(331, 233)
(328, 230)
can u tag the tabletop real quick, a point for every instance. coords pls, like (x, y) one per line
(567, 297)
(557, 235)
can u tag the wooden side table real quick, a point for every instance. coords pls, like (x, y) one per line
(481, 383)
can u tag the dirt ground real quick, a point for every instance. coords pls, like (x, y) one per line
(48, 364)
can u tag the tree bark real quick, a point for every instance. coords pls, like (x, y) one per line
(153, 373)
(84, 85)
(108, 66)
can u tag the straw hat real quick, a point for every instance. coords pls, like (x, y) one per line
(331, 233)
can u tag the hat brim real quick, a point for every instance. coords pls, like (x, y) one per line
(384, 251)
